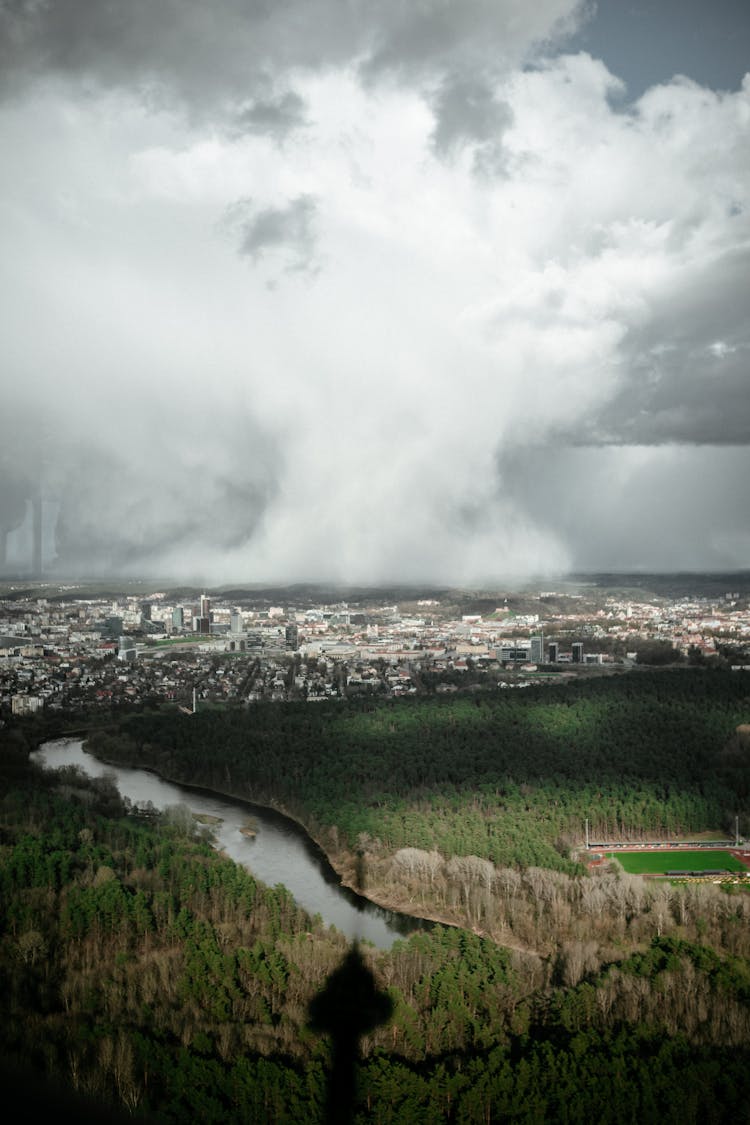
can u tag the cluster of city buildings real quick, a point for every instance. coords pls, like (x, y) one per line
(73, 649)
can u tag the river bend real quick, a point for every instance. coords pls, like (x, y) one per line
(280, 852)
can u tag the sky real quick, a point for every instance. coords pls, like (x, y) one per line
(449, 291)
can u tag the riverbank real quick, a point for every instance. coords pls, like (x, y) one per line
(281, 855)
(547, 916)
(345, 863)
(397, 904)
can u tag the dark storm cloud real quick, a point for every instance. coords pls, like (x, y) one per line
(697, 397)
(17, 486)
(273, 117)
(686, 370)
(150, 500)
(186, 39)
(467, 111)
(477, 34)
(289, 230)
(110, 519)
(669, 508)
(209, 55)
(189, 47)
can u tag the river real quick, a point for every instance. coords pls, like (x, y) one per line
(280, 852)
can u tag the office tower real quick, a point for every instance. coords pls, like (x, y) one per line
(553, 648)
(37, 546)
(126, 648)
(578, 652)
(112, 627)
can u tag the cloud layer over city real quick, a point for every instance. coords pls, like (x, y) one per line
(366, 292)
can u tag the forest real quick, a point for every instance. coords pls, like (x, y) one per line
(506, 779)
(145, 977)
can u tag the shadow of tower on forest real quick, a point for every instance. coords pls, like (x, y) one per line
(347, 1007)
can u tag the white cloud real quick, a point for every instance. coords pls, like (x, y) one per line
(404, 409)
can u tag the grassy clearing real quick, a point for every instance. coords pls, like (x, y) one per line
(660, 861)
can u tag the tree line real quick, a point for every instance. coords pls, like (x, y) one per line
(510, 778)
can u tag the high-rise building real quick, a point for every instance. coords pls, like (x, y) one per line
(536, 654)
(235, 622)
(37, 524)
(577, 652)
(553, 649)
(205, 610)
(178, 617)
(112, 627)
(126, 648)
(291, 635)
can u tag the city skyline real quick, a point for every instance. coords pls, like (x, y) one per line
(370, 293)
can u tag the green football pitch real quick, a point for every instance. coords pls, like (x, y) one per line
(660, 860)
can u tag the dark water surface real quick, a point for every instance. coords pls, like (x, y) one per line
(281, 852)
